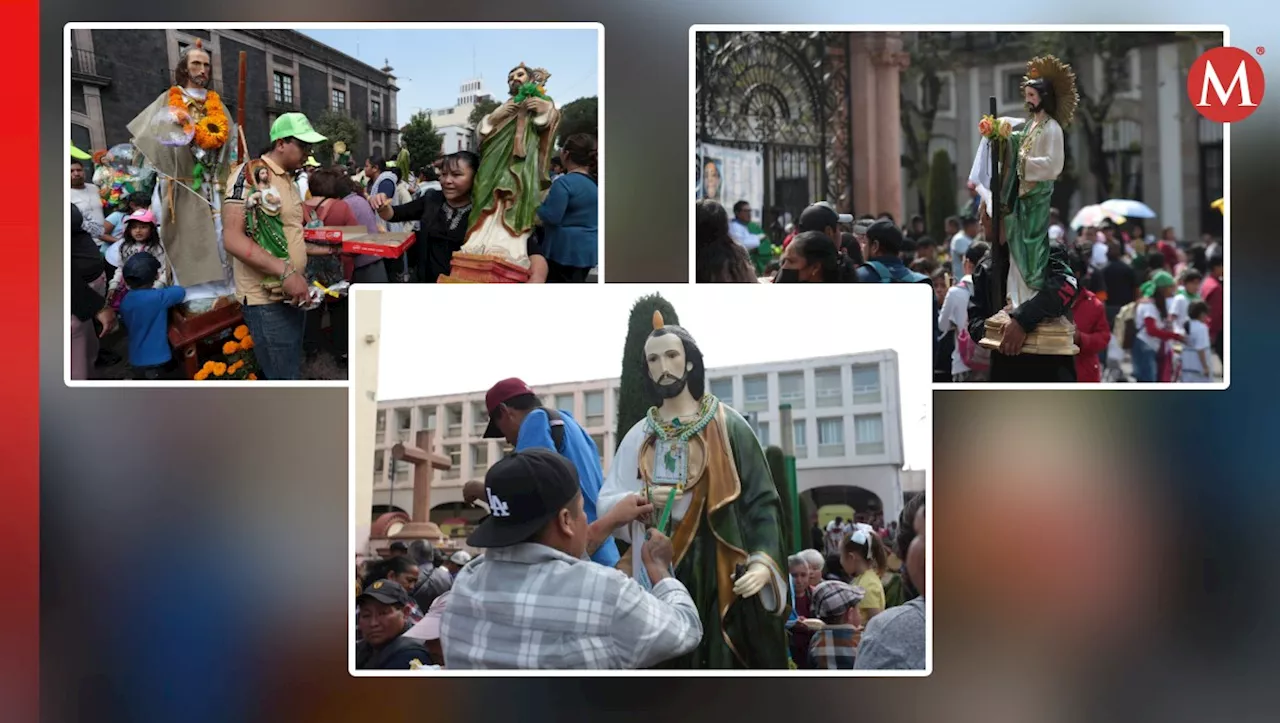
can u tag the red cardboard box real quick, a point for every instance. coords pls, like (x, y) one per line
(357, 240)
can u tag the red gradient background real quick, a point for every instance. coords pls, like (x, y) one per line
(20, 442)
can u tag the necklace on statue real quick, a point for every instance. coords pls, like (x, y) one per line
(671, 450)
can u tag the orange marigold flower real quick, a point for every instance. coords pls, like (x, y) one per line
(219, 369)
(230, 348)
(253, 377)
(202, 375)
(247, 343)
(241, 332)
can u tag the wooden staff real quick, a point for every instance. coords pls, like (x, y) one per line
(997, 188)
(244, 145)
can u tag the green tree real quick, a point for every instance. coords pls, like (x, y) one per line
(420, 138)
(633, 401)
(941, 196)
(483, 108)
(920, 89)
(778, 470)
(336, 127)
(580, 116)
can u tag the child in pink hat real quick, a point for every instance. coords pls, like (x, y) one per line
(140, 234)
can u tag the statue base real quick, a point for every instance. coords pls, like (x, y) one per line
(1055, 337)
(483, 269)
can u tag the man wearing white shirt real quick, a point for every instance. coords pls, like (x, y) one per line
(961, 239)
(738, 229)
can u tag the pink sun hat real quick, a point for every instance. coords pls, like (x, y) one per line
(142, 215)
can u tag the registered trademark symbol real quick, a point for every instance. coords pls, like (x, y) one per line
(1260, 50)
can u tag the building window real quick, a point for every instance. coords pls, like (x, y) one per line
(382, 423)
(723, 390)
(946, 93)
(563, 402)
(791, 389)
(798, 438)
(1012, 88)
(595, 409)
(479, 418)
(402, 474)
(283, 88)
(1122, 149)
(827, 388)
(375, 115)
(616, 397)
(1210, 180)
(479, 457)
(866, 384)
(831, 437)
(869, 433)
(756, 393)
(404, 425)
(454, 452)
(762, 432)
(339, 100)
(427, 418)
(379, 463)
(598, 439)
(453, 421)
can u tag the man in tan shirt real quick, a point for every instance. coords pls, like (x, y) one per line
(274, 316)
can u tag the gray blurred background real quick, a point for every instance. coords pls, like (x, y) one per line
(1100, 555)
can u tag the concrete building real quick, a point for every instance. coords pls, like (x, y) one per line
(1158, 149)
(846, 417)
(117, 73)
(454, 122)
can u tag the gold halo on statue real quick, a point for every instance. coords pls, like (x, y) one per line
(1062, 78)
(657, 320)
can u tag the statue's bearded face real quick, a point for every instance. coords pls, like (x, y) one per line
(667, 364)
(1032, 97)
(198, 68)
(517, 78)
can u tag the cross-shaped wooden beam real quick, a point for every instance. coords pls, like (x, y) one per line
(424, 462)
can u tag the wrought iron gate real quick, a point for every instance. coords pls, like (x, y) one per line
(766, 92)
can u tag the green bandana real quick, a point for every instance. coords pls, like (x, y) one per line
(1160, 280)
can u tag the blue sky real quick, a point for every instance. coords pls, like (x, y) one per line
(429, 65)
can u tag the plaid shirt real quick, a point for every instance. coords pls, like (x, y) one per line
(534, 608)
(835, 647)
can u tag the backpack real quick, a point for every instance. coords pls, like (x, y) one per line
(1126, 327)
(887, 278)
(557, 428)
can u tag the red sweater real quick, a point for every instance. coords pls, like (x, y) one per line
(1211, 292)
(1090, 316)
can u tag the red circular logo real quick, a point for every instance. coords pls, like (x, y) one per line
(1226, 85)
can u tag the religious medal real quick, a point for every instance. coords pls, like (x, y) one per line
(670, 461)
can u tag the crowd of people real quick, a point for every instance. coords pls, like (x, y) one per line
(544, 544)
(434, 202)
(1148, 310)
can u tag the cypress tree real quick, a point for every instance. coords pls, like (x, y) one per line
(633, 401)
(778, 470)
(941, 197)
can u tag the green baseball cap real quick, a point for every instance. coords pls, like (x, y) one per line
(295, 125)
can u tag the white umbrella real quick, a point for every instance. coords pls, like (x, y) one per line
(1129, 208)
(1094, 215)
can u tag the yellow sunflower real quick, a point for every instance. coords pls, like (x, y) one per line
(211, 133)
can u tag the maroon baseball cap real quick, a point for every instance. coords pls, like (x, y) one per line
(500, 393)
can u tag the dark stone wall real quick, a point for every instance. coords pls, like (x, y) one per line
(257, 124)
(137, 64)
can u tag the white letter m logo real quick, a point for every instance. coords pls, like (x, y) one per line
(1224, 94)
(497, 507)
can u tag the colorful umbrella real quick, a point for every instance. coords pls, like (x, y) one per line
(1129, 208)
(1094, 215)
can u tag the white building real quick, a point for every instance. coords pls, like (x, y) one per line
(846, 417)
(454, 122)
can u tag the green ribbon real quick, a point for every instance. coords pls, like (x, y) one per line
(197, 176)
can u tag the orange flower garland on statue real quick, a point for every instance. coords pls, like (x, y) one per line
(210, 132)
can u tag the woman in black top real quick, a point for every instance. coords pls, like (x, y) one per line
(88, 300)
(443, 216)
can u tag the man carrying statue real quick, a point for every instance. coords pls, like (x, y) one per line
(516, 141)
(1024, 288)
(702, 467)
(188, 136)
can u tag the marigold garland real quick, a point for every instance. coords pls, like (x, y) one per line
(241, 332)
(212, 131)
(230, 347)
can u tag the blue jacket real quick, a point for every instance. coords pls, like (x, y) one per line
(570, 221)
(582, 452)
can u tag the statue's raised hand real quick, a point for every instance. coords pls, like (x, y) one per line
(537, 106)
(752, 581)
(660, 493)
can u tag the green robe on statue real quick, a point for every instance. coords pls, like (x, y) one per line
(733, 517)
(512, 176)
(1032, 159)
